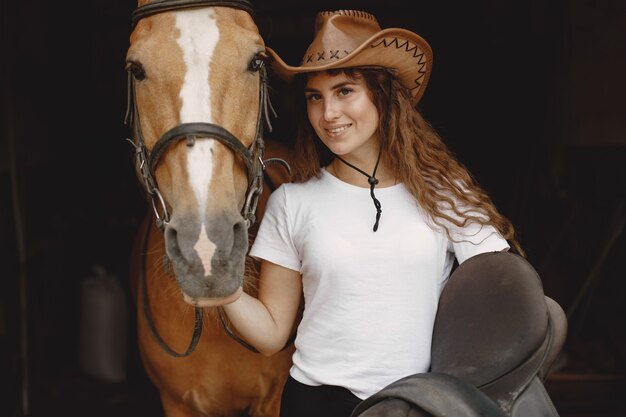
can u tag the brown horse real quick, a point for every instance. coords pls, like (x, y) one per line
(197, 107)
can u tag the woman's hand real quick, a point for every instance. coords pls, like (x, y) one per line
(267, 322)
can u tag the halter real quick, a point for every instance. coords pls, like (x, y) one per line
(147, 160)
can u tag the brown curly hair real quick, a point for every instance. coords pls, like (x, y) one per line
(415, 153)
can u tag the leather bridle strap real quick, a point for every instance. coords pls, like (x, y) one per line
(145, 307)
(160, 6)
(191, 130)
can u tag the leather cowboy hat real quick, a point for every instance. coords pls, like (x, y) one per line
(352, 38)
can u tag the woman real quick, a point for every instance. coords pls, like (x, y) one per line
(370, 228)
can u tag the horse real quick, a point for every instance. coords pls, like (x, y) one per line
(198, 105)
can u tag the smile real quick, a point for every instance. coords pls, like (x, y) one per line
(339, 129)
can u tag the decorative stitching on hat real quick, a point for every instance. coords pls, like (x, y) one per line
(321, 56)
(357, 13)
(408, 47)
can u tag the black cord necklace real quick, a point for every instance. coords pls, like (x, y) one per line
(372, 180)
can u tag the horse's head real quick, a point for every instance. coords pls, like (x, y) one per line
(195, 86)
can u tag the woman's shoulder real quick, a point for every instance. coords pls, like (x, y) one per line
(309, 185)
(296, 194)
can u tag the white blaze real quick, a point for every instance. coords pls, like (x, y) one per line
(199, 35)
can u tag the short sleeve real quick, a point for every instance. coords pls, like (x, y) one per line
(474, 239)
(274, 241)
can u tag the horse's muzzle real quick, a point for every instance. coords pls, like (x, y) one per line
(208, 259)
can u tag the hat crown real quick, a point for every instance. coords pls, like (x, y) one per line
(337, 34)
(354, 39)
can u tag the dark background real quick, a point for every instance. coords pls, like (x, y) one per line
(528, 93)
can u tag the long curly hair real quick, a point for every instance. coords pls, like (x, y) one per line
(413, 151)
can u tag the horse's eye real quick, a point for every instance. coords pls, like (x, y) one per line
(256, 63)
(136, 69)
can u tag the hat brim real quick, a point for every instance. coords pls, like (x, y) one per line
(407, 53)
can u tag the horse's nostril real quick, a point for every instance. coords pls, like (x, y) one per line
(240, 238)
(171, 243)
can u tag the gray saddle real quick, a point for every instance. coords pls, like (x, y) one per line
(496, 335)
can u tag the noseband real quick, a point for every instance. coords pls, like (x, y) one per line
(147, 160)
(253, 157)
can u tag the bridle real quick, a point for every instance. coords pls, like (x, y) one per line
(253, 157)
(147, 160)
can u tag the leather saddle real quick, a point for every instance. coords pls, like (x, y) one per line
(495, 338)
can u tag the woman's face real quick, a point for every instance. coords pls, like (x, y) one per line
(342, 112)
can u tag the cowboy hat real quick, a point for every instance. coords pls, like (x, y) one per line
(352, 38)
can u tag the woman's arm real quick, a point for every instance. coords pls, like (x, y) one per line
(266, 322)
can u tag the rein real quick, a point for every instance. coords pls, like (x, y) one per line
(145, 307)
(147, 160)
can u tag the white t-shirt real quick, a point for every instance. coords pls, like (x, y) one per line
(370, 297)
